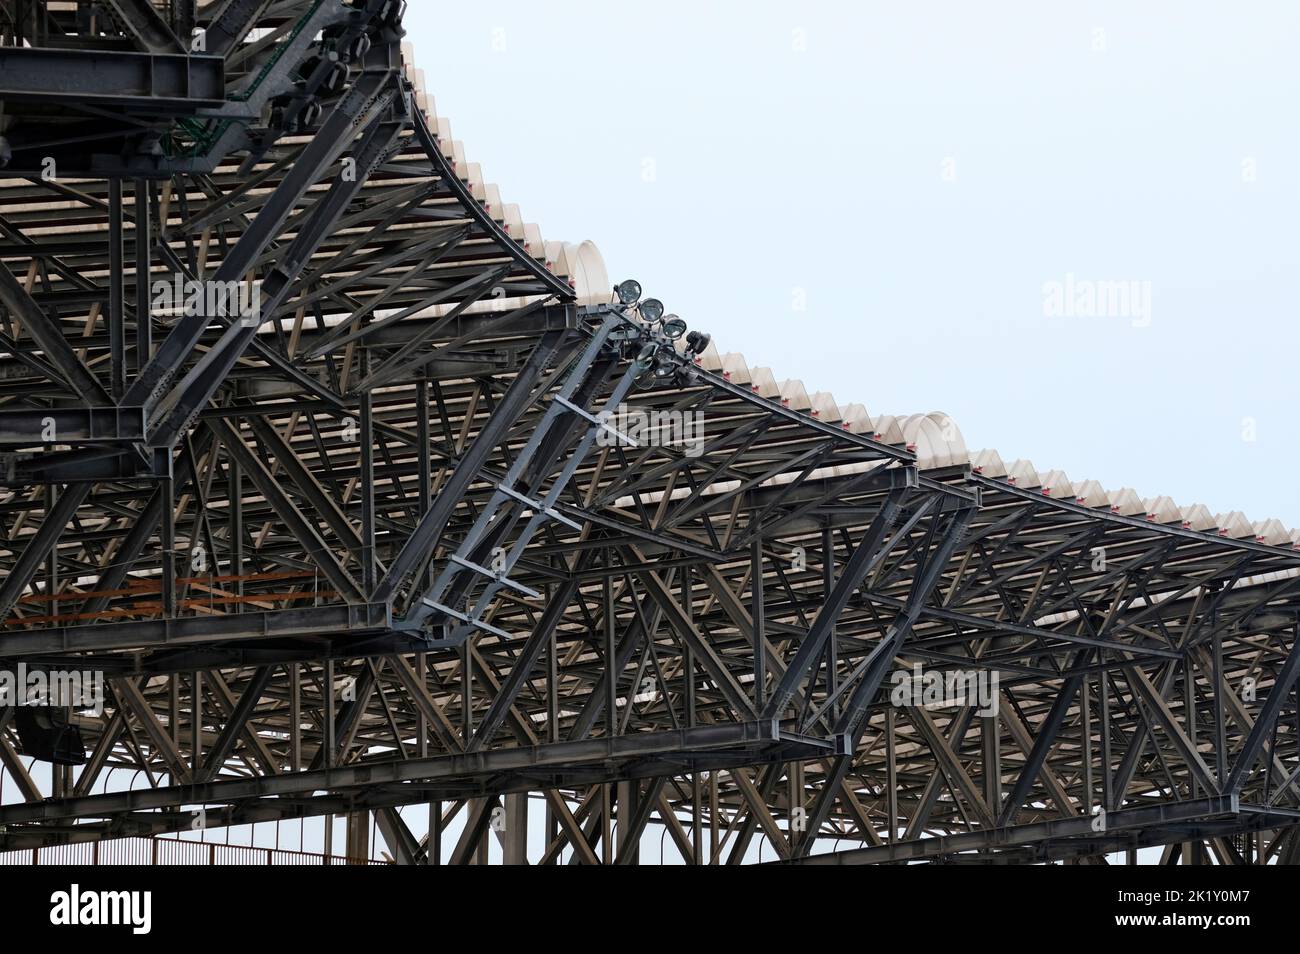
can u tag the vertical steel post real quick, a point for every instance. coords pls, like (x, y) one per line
(757, 614)
(116, 267)
(369, 569)
(143, 265)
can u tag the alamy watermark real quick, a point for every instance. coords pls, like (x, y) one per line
(85, 907)
(1086, 298)
(651, 427)
(918, 687)
(238, 300)
(80, 689)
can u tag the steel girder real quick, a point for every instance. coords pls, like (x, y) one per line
(242, 528)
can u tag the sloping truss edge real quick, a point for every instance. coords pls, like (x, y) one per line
(699, 642)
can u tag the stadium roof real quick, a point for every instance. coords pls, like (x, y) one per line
(400, 481)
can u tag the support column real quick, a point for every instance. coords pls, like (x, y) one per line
(515, 836)
(990, 733)
(757, 612)
(116, 320)
(358, 837)
(891, 775)
(143, 261)
(369, 574)
(167, 488)
(433, 840)
(629, 800)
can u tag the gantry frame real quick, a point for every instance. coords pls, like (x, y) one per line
(374, 551)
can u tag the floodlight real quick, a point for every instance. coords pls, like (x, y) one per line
(673, 328)
(696, 342)
(652, 309)
(629, 292)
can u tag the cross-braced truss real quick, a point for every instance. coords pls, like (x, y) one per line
(381, 543)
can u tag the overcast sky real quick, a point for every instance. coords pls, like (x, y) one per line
(883, 198)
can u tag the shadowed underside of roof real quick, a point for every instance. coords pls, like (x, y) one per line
(391, 544)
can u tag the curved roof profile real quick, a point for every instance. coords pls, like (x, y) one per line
(581, 264)
(934, 437)
(938, 444)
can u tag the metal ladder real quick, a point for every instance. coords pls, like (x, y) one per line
(509, 501)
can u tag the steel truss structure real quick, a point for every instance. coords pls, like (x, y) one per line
(378, 546)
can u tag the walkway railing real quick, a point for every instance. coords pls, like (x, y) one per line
(170, 851)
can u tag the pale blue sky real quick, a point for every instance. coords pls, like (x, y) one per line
(804, 147)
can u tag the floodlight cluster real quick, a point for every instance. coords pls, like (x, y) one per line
(660, 343)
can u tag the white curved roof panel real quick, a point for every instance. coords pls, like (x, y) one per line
(936, 441)
(1055, 483)
(1198, 517)
(1127, 503)
(1164, 510)
(793, 395)
(824, 407)
(1090, 493)
(854, 417)
(1234, 524)
(763, 384)
(888, 429)
(1023, 474)
(988, 462)
(1272, 533)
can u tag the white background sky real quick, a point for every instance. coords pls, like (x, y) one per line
(803, 146)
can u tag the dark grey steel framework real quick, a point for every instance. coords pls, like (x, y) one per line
(338, 563)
